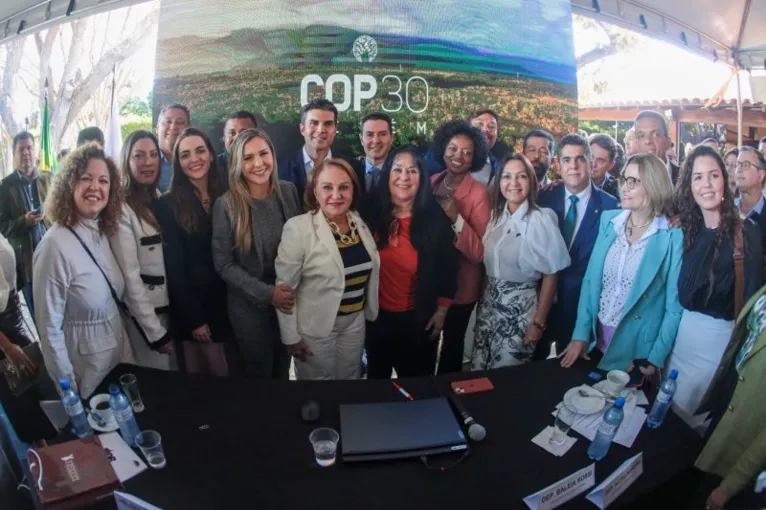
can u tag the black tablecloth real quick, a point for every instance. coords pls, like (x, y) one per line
(238, 443)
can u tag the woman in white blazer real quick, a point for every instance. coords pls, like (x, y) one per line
(78, 286)
(329, 258)
(137, 246)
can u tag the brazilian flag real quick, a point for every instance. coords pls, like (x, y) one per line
(47, 154)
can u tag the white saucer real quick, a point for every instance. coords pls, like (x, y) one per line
(601, 386)
(110, 426)
(584, 405)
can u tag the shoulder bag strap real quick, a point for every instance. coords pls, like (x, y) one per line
(739, 271)
(117, 300)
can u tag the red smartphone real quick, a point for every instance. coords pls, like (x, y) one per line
(472, 386)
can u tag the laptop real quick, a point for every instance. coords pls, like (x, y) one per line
(394, 430)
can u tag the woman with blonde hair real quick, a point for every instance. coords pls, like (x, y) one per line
(629, 310)
(78, 285)
(328, 256)
(137, 246)
(247, 228)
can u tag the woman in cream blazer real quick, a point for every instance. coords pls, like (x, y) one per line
(137, 247)
(329, 258)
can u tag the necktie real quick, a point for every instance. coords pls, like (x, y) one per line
(570, 220)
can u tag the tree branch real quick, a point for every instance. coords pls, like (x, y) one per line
(596, 54)
(14, 53)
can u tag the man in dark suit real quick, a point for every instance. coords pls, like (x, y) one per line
(235, 124)
(603, 149)
(652, 136)
(319, 125)
(377, 136)
(21, 219)
(578, 205)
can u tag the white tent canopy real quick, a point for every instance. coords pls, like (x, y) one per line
(733, 31)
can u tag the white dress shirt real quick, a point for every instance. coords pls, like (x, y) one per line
(309, 163)
(620, 268)
(484, 174)
(524, 246)
(582, 205)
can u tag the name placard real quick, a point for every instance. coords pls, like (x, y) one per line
(562, 491)
(127, 502)
(622, 478)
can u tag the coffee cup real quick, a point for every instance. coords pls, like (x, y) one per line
(616, 380)
(100, 409)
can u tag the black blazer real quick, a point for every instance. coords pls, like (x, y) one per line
(197, 293)
(292, 169)
(13, 207)
(760, 220)
(438, 259)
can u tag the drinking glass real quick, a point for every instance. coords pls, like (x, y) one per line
(325, 443)
(129, 384)
(150, 443)
(565, 417)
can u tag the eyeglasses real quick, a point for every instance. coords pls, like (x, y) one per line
(748, 165)
(629, 182)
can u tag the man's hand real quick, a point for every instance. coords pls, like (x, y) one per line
(31, 219)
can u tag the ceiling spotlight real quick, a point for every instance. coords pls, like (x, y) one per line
(596, 7)
(22, 25)
(70, 8)
(642, 20)
(48, 12)
(683, 39)
(715, 56)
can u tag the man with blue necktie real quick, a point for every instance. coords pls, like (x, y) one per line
(578, 205)
(376, 136)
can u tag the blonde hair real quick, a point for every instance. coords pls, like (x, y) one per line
(238, 197)
(59, 204)
(655, 179)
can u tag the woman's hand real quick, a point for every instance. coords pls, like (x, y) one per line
(575, 350)
(299, 350)
(283, 298)
(436, 324)
(202, 334)
(716, 500)
(166, 349)
(534, 334)
(19, 359)
(647, 370)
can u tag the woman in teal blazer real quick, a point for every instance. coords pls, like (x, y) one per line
(629, 307)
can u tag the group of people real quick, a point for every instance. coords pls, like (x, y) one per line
(174, 256)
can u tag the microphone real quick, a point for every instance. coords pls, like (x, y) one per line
(475, 431)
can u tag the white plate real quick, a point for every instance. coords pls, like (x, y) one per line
(602, 385)
(110, 426)
(584, 405)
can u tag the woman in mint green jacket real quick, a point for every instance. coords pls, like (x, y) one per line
(629, 307)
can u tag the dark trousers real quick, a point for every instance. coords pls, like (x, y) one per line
(453, 338)
(397, 340)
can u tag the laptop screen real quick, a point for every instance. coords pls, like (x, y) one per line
(391, 427)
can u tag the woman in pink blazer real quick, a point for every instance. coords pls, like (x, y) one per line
(466, 201)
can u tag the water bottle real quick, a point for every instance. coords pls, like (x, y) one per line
(73, 407)
(123, 413)
(663, 400)
(607, 430)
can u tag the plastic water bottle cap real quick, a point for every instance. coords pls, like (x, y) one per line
(114, 389)
(64, 383)
(619, 402)
(673, 374)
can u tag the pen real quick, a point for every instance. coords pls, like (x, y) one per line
(402, 390)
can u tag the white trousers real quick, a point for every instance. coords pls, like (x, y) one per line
(337, 356)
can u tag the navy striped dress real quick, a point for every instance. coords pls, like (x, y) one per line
(357, 269)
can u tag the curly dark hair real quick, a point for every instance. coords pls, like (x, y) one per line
(456, 127)
(690, 214)
(59, 204)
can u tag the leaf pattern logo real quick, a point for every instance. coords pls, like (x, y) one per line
(365, 49)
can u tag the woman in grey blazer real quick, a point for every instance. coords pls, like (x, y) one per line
(247, 228)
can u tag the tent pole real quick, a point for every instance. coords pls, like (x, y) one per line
(739, 111)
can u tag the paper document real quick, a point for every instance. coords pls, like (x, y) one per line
(587, 426)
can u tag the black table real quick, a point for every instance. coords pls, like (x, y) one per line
(238, 443)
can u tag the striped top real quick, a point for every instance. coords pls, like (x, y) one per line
(357, 269)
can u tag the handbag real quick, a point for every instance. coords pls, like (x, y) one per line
(72, 475)
(19, 382)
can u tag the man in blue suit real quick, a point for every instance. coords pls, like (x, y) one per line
(578, 205)
(319, 125)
